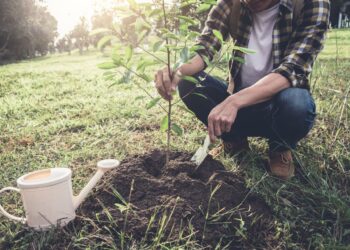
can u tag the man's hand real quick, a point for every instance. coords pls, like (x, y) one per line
(165, 83)
(221, 118)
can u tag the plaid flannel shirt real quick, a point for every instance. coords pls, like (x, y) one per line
(296, 43)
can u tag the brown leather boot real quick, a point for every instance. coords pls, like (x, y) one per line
(231, 148)
(281, 164)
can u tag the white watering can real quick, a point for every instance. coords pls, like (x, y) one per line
(48, 197)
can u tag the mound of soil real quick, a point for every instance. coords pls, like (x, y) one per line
(147, 200)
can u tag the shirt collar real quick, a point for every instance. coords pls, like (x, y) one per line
(287, 4)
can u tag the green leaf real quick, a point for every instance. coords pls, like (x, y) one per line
(156, 46)
(153, 102)
(141, 66)
(197, 47)
(177, 129)
(99, 31)
(184, 55)
(201, 95)
(192, 35)
(195, 33)
(121, 207)
(218, 35)
(145, 77)
(203, 8)
(140, 25)
(164, 31)
(187, 3)
(211, 2)
(244, 50)
(107, 65)
(117, 59)
(184, 28)
(164, 124)
(104, 41)
(128, 53)
(190, 79)
(188, 20)
(186, 109)
(238, 59)
(206, 60)
(141, 36)
(172, 36)
(155, 12)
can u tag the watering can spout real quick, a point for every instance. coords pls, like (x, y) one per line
(102, 167)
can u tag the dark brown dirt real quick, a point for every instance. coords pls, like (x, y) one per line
(182, 192)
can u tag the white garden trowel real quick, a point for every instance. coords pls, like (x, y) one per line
(201, 152)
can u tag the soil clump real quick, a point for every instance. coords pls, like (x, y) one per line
(149, 201)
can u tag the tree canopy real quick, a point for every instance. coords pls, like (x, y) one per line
(26, 29)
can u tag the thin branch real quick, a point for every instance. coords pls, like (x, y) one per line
(171, 78)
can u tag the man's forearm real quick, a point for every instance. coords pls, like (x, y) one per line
(261, 91)
(195, 65)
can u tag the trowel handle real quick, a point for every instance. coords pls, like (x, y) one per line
(10, 216)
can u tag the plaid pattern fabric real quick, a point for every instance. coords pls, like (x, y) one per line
(296, 43)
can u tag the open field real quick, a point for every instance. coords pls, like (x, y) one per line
(60, 111)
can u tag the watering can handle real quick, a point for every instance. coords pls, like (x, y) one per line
(2, 210)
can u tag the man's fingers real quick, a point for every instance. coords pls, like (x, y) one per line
(159, 84)
(227, 126)
(166, 82)
(162, 95)
(211, 130)
(175, 81)
(217, 127)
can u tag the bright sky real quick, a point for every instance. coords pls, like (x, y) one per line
(68, 12)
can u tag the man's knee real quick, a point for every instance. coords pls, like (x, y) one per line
(295, 102)
(295, 109)
(185, 87)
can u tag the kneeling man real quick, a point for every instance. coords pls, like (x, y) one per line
(268, 91)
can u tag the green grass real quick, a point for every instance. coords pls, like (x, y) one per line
(59, 111)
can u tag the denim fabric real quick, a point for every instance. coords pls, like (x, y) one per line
(284, 120)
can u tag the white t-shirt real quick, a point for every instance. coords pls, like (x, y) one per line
(260, 63)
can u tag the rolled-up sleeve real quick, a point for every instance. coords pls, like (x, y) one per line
(306, 43)
(217, 20)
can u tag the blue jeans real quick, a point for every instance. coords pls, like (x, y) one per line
(284, 120)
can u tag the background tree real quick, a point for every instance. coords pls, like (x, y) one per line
(26, 29)
(42, 23)
(80, 34)
(64, 44)
(101, 20)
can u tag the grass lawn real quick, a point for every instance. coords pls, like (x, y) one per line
(59, 111)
